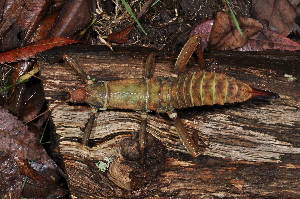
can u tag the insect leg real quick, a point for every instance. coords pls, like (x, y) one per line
(148, 73)
(88, 127)
(142, 136)
(149, 66)
(85, 78)
(187, 140)
(186, 53)
(199, 53)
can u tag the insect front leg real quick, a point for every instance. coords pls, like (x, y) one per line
(88, 127)
(87, 80)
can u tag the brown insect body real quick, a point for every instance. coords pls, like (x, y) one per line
(164, 94)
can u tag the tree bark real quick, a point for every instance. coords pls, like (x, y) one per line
(253, 147)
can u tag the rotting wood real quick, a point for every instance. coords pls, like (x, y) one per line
(253, 147)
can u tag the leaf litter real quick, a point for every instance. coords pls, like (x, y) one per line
(21, 155)
(221, 34)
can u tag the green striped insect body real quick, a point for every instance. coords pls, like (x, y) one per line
(164, 94)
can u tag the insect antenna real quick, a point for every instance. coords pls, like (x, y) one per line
(39, 115)
(47, 82)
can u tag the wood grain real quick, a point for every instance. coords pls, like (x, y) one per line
(253, 147)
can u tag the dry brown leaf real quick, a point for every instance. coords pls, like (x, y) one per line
(120, 36)
(279, 13)
(73, 16)
(19, 21)
(225, 36)
(265, 40)
(20, 151)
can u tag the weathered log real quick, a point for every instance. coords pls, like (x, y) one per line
(253, 147)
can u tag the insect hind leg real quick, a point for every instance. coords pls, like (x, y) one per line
(187, 51)
(190, 144)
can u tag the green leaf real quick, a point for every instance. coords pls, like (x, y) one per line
(155, 2)
(236, 23)
(133, 16)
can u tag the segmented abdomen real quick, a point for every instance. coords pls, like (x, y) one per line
(196, 89)
(165, 93)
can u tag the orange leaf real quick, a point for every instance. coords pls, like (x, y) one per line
(121, 36)
(29, 51)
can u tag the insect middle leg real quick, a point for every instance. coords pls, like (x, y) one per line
(148, 73)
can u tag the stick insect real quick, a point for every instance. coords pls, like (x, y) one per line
(163, 94)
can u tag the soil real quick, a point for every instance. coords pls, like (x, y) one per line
(165, 30)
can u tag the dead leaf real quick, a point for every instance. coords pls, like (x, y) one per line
(26, 52)
(279, 13)
(225, 36)
(11, 180)
(19, 21)
(45, 26)
(73, 16)
(9, 28)
(31, 16)
(120, 36)
(23, 21)
(21, 151)
(32, 101)
(263, 40)
(266, 39)
(15, 100)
